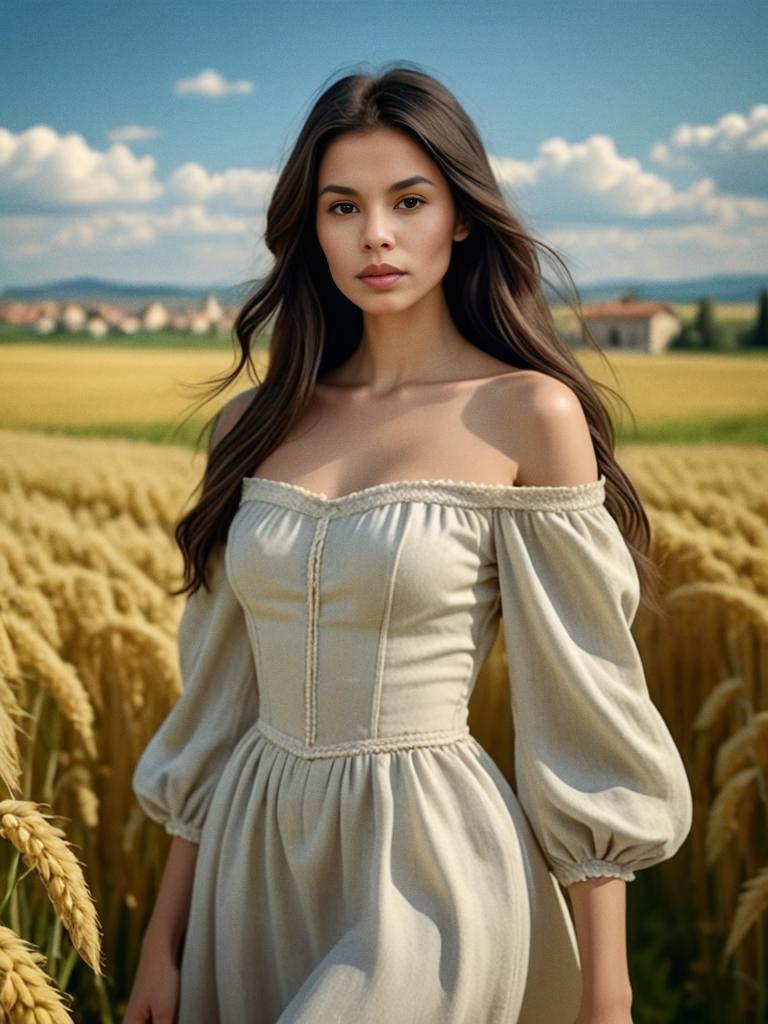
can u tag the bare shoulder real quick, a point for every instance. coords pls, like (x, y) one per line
(547, 417)
(230, 413)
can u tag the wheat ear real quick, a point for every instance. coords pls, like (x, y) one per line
(27, 993)
(753, 902)
(44, 847)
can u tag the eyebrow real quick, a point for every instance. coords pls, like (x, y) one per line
(344, 190)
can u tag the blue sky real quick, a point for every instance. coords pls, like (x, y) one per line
(140, 140)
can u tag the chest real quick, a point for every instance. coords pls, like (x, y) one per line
(335, 450)
(364, 555)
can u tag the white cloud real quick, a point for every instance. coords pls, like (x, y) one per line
(592, 182)
(41, 171)
(120, 229)
(210, 83)
(658, 253)
(732, 132)
(241, 187)
(732, 151)
(132, 133)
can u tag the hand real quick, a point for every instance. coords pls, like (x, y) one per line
(155, 993)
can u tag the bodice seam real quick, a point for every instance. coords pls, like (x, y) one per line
(312, 638)
(381, 652)
(371, 745)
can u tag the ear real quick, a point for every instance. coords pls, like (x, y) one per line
(462, 227)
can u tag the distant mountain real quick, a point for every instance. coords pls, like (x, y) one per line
(720, 288)
(87, 290)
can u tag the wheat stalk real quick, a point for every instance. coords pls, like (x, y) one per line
(753, 902)
(9, 664)
(44, 848)
(721, 820)
(87, 800)
(60, 677)
(27, 994)
(716, 703)
(744, 605)
(10, 761)
(33, 606)
(741, 748)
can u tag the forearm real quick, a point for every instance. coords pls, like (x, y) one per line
(168, 922)
(599, 917)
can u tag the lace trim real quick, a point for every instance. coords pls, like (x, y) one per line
(436, 492)
(371, 745)
(178, 828)
(567, 874)
(312, 638)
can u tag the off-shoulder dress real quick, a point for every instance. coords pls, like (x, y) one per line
(362, 859)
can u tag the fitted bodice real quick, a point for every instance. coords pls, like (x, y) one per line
(370, 618)
(371, 614)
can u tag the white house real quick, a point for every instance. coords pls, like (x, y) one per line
(637, 326)
(154, 317)
(129, 325)
(73, 317)
(199, 323)
(97, 326)
(44, 324)
(212, 309)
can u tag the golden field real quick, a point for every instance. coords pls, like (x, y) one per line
(88, 668)
(676, 386)
(54, 385)
(46, 385)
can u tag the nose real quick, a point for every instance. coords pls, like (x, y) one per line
(376, 231)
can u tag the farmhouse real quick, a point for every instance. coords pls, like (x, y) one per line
(639, 326)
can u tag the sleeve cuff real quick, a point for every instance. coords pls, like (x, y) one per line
(188, 832)
(567, 874)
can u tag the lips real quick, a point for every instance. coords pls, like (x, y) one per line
(379, 270)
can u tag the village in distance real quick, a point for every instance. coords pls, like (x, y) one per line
(628, 319)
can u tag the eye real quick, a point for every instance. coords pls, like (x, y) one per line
(405, 199)
(408, 198)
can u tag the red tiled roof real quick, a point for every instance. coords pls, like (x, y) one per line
(626, 310)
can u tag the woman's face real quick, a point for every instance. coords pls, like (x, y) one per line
(361, 219)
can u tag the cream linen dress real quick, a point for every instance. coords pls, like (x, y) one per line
(362, 859)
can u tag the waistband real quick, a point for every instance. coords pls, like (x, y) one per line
(371, 745)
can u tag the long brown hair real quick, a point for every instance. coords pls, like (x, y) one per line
(492, 288)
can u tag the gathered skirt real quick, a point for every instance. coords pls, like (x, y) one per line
(395, 887)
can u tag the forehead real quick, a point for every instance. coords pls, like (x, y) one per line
(378, 155)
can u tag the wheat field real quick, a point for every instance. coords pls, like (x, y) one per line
(88, 668)
(73, 385)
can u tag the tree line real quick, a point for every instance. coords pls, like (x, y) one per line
(706, 332)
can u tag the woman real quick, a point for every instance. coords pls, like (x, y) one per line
(424, 456)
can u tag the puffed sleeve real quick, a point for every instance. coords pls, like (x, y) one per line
(176, 775)
(597, 771)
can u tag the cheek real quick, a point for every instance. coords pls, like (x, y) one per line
(335, 242)
(433, 236)
(432, 246)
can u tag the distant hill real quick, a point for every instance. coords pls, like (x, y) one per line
(131, 297)
(720, 288)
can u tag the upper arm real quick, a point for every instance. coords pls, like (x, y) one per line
(558, 448)
(229, 414)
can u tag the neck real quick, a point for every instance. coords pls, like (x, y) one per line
(407, 347)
